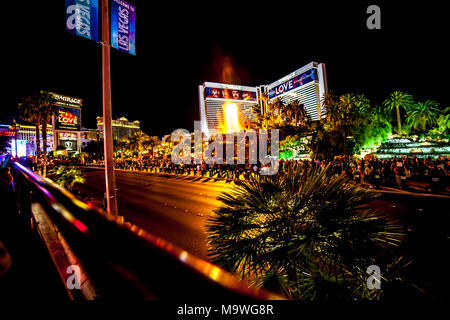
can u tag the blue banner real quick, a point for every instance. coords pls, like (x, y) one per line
(294, 82)
(82, 18)
(123, 26)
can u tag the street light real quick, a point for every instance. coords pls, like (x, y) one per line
(15, 135)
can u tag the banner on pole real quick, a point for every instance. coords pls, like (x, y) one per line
(123, 26)
(82, 18)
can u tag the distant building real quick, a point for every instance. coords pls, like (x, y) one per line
(121, 127)
(26, 137)
(64, 129)
(88, 135)
(307, 86)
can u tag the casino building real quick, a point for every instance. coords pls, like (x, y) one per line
(307, 85)
(64, 130)
(121, 128)
(215, 96)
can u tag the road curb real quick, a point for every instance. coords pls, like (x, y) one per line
(389, 191)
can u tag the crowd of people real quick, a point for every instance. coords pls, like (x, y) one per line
(394, 172)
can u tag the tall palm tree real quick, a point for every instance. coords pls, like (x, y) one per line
(264, 97)
(346, 105)
(331, 104)
(256, 111)
(362, 104)
(122, 145)
(137, 141)
(422, 114)
(29, 111)
(152, 143)
(280, 108)
(269, 114)
(296, 108)
(47, 109)
(397, 100)
(300, 113)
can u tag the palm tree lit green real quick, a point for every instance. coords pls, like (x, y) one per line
(397, 100)
(423, 114)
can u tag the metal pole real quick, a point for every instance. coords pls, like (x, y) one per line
(15, 135)
(111, 200)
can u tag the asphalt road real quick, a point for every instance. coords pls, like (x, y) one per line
(175, 208)
(169, 207)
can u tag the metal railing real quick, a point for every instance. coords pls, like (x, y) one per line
(118, 259)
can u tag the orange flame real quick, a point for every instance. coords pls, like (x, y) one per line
(231, 118)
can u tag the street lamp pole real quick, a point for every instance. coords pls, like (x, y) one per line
(111, 199)
(15, 135)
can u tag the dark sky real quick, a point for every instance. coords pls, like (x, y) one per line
(179, 46)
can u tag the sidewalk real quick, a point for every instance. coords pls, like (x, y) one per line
(32, 274)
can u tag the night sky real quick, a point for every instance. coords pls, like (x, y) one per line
(179, 46)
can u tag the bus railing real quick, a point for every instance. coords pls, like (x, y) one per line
(117, 259)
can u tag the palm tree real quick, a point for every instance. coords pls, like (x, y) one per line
(305, 234)
(280, 108)
(67, 176)
(256, 111)
(346, 105)
(331, 105)
(362, 104)
(269, 114)
(444, 121)
(398, 100)
(296, 108)
(122, 145)
(266, 101)
(152, 143)
(422, 114)
(47, 109)
(137, 141)
(300, 113)
(29, 111)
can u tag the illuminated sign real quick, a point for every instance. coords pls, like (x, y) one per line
(67, 136)
(68, 100)
(294, 83)
(68, 119)
(5, 132)
(69, 145)
(229, 94)
(123, 26)
(21, 148)
(82, 18)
